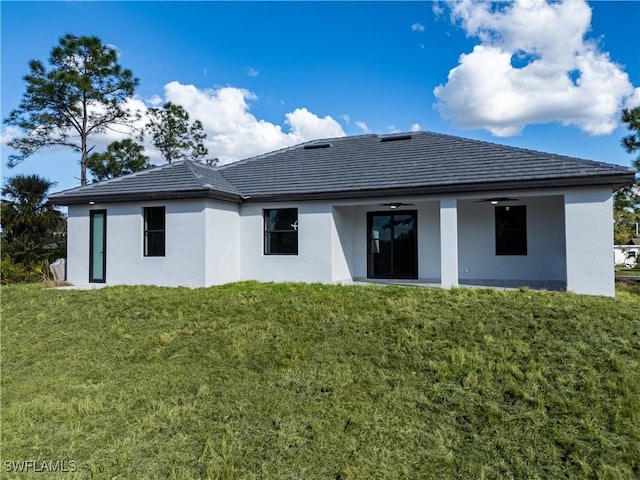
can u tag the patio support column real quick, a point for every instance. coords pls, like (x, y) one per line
(448, 242)
(588, 223)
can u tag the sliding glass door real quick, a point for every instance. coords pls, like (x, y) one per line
(393, 245)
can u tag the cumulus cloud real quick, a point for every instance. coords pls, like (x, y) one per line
(233, 132)
(532, 65)
(252, 72)
(417, 27)
(362, 126)
(346, 118)
(415, 127)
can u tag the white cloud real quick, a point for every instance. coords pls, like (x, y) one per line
(308, 126)
(417, 27)
(252, 72)
(363, 126)
(392, 129)
(346, 118)
(532, 65)
(415, 127)
(234, 133)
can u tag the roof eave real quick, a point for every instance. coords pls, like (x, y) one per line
(63, 199)
(615, 180)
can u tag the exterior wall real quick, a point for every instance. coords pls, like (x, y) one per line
(589, 233)
(78, 244)
(183, 263)
(449, 242)
(429, 247)
(222, 250)
(210, 242)
(313, 262)
(342, 244)
(545, 260)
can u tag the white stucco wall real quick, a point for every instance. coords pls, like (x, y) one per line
(449, 242)
(545, 259)
(222, 252)
(183, 263)
(313, 262)
(342, 244)
(589, 246)
(78, 244)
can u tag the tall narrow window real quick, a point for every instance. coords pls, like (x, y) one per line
(97, 245)
(511, 230)
(281, 231)
(154, 233)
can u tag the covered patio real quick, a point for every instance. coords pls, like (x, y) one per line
(492, 239)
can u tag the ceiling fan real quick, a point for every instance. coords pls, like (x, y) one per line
(394, 205)
(496, 200)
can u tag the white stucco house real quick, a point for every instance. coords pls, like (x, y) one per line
(415, 207)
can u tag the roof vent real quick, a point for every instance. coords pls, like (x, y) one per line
(395, 138)
(314, 146)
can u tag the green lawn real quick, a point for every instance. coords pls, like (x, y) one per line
(290, 381)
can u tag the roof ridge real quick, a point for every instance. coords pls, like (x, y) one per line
(193, 166)
(190, 164)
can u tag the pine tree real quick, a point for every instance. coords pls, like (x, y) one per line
(80, 95)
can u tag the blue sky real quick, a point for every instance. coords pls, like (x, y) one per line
(263, 75)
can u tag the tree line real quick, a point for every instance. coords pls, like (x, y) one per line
(82, 93)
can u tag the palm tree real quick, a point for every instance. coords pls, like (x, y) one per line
(32, 229)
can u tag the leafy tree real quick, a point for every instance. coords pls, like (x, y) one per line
(120, 158)
(174, 136)
(80, 95)
(626, 210)
(32, 229)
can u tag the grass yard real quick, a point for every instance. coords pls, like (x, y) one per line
(290, 381)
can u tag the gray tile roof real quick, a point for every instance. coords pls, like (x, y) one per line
(419, 162)
(183, 179)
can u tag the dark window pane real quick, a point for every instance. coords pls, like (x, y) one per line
(281, 219)
(281, 231)
(282, 243)
(155, 244)
(404, 246)
(511, 230)
(154, 217)
(154, 231)
(381, 231)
